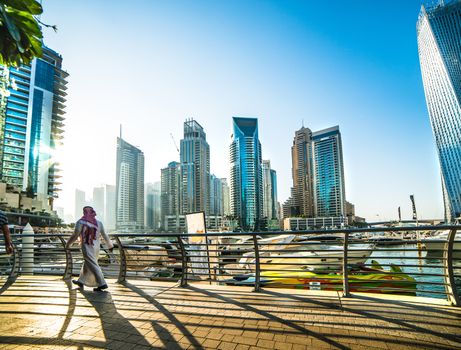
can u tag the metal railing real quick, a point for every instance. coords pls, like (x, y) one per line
(420, 261)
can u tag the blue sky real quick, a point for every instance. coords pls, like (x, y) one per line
(151, 64)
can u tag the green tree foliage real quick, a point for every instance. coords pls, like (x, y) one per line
(20, 32)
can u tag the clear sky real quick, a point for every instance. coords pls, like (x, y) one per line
(150, 64)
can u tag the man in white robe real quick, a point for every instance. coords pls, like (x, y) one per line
(90, 230)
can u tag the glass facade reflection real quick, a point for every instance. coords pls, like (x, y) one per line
(129, 186)
(195, 169)
(246, 190)
(33, 125)
(439, 47)
(329, 189)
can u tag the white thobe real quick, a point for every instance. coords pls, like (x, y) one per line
(90, 274)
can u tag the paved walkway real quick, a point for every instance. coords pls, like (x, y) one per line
(42, 313)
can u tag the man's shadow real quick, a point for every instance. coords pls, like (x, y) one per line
(112, 321)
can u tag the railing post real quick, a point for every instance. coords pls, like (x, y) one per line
(183, 262)
(449, 276)
(122, 255)
(346, 293)
(69, 262)
(257, 265)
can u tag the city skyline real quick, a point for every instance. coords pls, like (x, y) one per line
(376, 90)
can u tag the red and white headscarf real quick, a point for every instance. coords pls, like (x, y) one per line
(89, 225)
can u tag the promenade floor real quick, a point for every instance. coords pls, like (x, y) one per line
(44, 313)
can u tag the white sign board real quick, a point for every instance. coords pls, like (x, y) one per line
(197, 244)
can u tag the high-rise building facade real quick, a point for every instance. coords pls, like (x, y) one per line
(225, 197)
(246, 190)
(170, 192)
(318, 175)
(31, 125)
(302, 173)
(195, 169)
(329, 188)
(269, 191)
(110, 207)
(98, 202)
(216, 196)
(129, 186)
(439, 47)
(152, 206)
(149, 206)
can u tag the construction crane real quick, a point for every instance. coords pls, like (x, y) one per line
(174, 142)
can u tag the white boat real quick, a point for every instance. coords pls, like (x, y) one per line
(435, 245)
(325, 257)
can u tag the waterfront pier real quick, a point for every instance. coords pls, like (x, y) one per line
(183, 299)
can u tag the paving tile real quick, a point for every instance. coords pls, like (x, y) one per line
(33, 315)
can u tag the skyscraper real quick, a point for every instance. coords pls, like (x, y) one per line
(149, 206)
(246, 173)
(318, 175)
(216, 196)
(129, 186)
(225, 197)
(195, 169)
(302, 173)
(31, 125)
(269, 191)
(99, 202)
(439, 47)
(110, 207)
(329, 188)
(170, 191)
(103, 202)
(157, 205)
(152, 205)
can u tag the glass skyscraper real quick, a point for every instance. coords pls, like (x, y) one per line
(195, 169)
(170, 193)
(31, 126)
(216, 196)
(439, 47)
(301, 202)
(329, 188)
(269, 191)
(129, 186)
(318, 175)
(246, 190)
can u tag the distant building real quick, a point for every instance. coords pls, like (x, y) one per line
(439, 48)
(246, 190)
(216, 196)
(110, 207)
(350, 211)
(174, 223)
(318, 175)
(157, 205)
(80, 202)
(129, 187)
(31, 125)
(195, 169)
(302, 199)
(225, 197)
(98, 203)
(302, 224)
(170, 192)
(152, 206)
(329, 187)
(269, 191)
